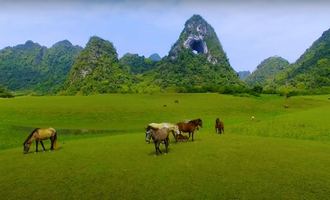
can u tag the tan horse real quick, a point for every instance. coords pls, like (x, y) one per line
(38, 135)
(156, 126)
(158, 136)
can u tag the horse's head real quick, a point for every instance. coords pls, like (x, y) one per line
(148, 134)
(26, 147)
(200, 123)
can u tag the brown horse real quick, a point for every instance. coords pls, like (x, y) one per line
(190, 127)
(182, 138)
(219, 127)
(159, 136)
(38, 135)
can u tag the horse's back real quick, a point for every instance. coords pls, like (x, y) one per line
(156, 125)
(45, 133)
(161, 134)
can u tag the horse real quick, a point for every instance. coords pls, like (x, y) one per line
(38, 135)
(219, 127)
(155, 126)
(158, 136)
(190, 126)
(182, 138)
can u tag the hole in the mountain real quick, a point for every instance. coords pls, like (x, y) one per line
(197, 46)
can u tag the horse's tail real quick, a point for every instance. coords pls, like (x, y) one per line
(55, 140)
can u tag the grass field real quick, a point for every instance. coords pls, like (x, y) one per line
(283, 154)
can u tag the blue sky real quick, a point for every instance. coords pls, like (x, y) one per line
(249, 31)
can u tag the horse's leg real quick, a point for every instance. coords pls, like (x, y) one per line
(37, 145)
(158, 144)
(42, 144)
(52, 141)
(156, 147)
(166, 144)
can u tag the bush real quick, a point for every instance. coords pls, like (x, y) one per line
(4, 93)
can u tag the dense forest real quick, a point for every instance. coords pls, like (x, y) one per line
(31, 66)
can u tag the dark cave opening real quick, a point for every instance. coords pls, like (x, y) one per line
(197, 46)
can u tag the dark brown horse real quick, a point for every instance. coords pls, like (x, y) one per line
(219, 127)
(190, 127)
(38, 135)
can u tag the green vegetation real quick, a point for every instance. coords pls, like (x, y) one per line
(34, 67)
(4, 93)
(266, 71)
(97, 70)
(136, 64)
(282, 154)
(196, 63)
(193, 73)
(311, 72)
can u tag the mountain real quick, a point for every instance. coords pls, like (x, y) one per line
(267, 70)
(31, 66)
(136, 64)
(97, 70)
(21, 65)
(243, 74)
(59, 59)
(196, 62)
(155, 57)
(200, 38)
(312, 70)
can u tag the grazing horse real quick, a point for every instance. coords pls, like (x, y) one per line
(38, 135)
(190, 126)
(219, 127)
(158, 136)
(155, 126)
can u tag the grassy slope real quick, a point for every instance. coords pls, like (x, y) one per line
(231, 166)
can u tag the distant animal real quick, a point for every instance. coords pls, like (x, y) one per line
(155, 126)
(219, 126)
(159, 136)
(176, 101)
(190, 127)
(286, 106)
(38, 135)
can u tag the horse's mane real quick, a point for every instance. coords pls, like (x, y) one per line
(195, 120)
(30, 135)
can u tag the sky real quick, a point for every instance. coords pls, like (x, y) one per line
(249, 31)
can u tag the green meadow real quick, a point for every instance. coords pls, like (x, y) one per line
(284, 153)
